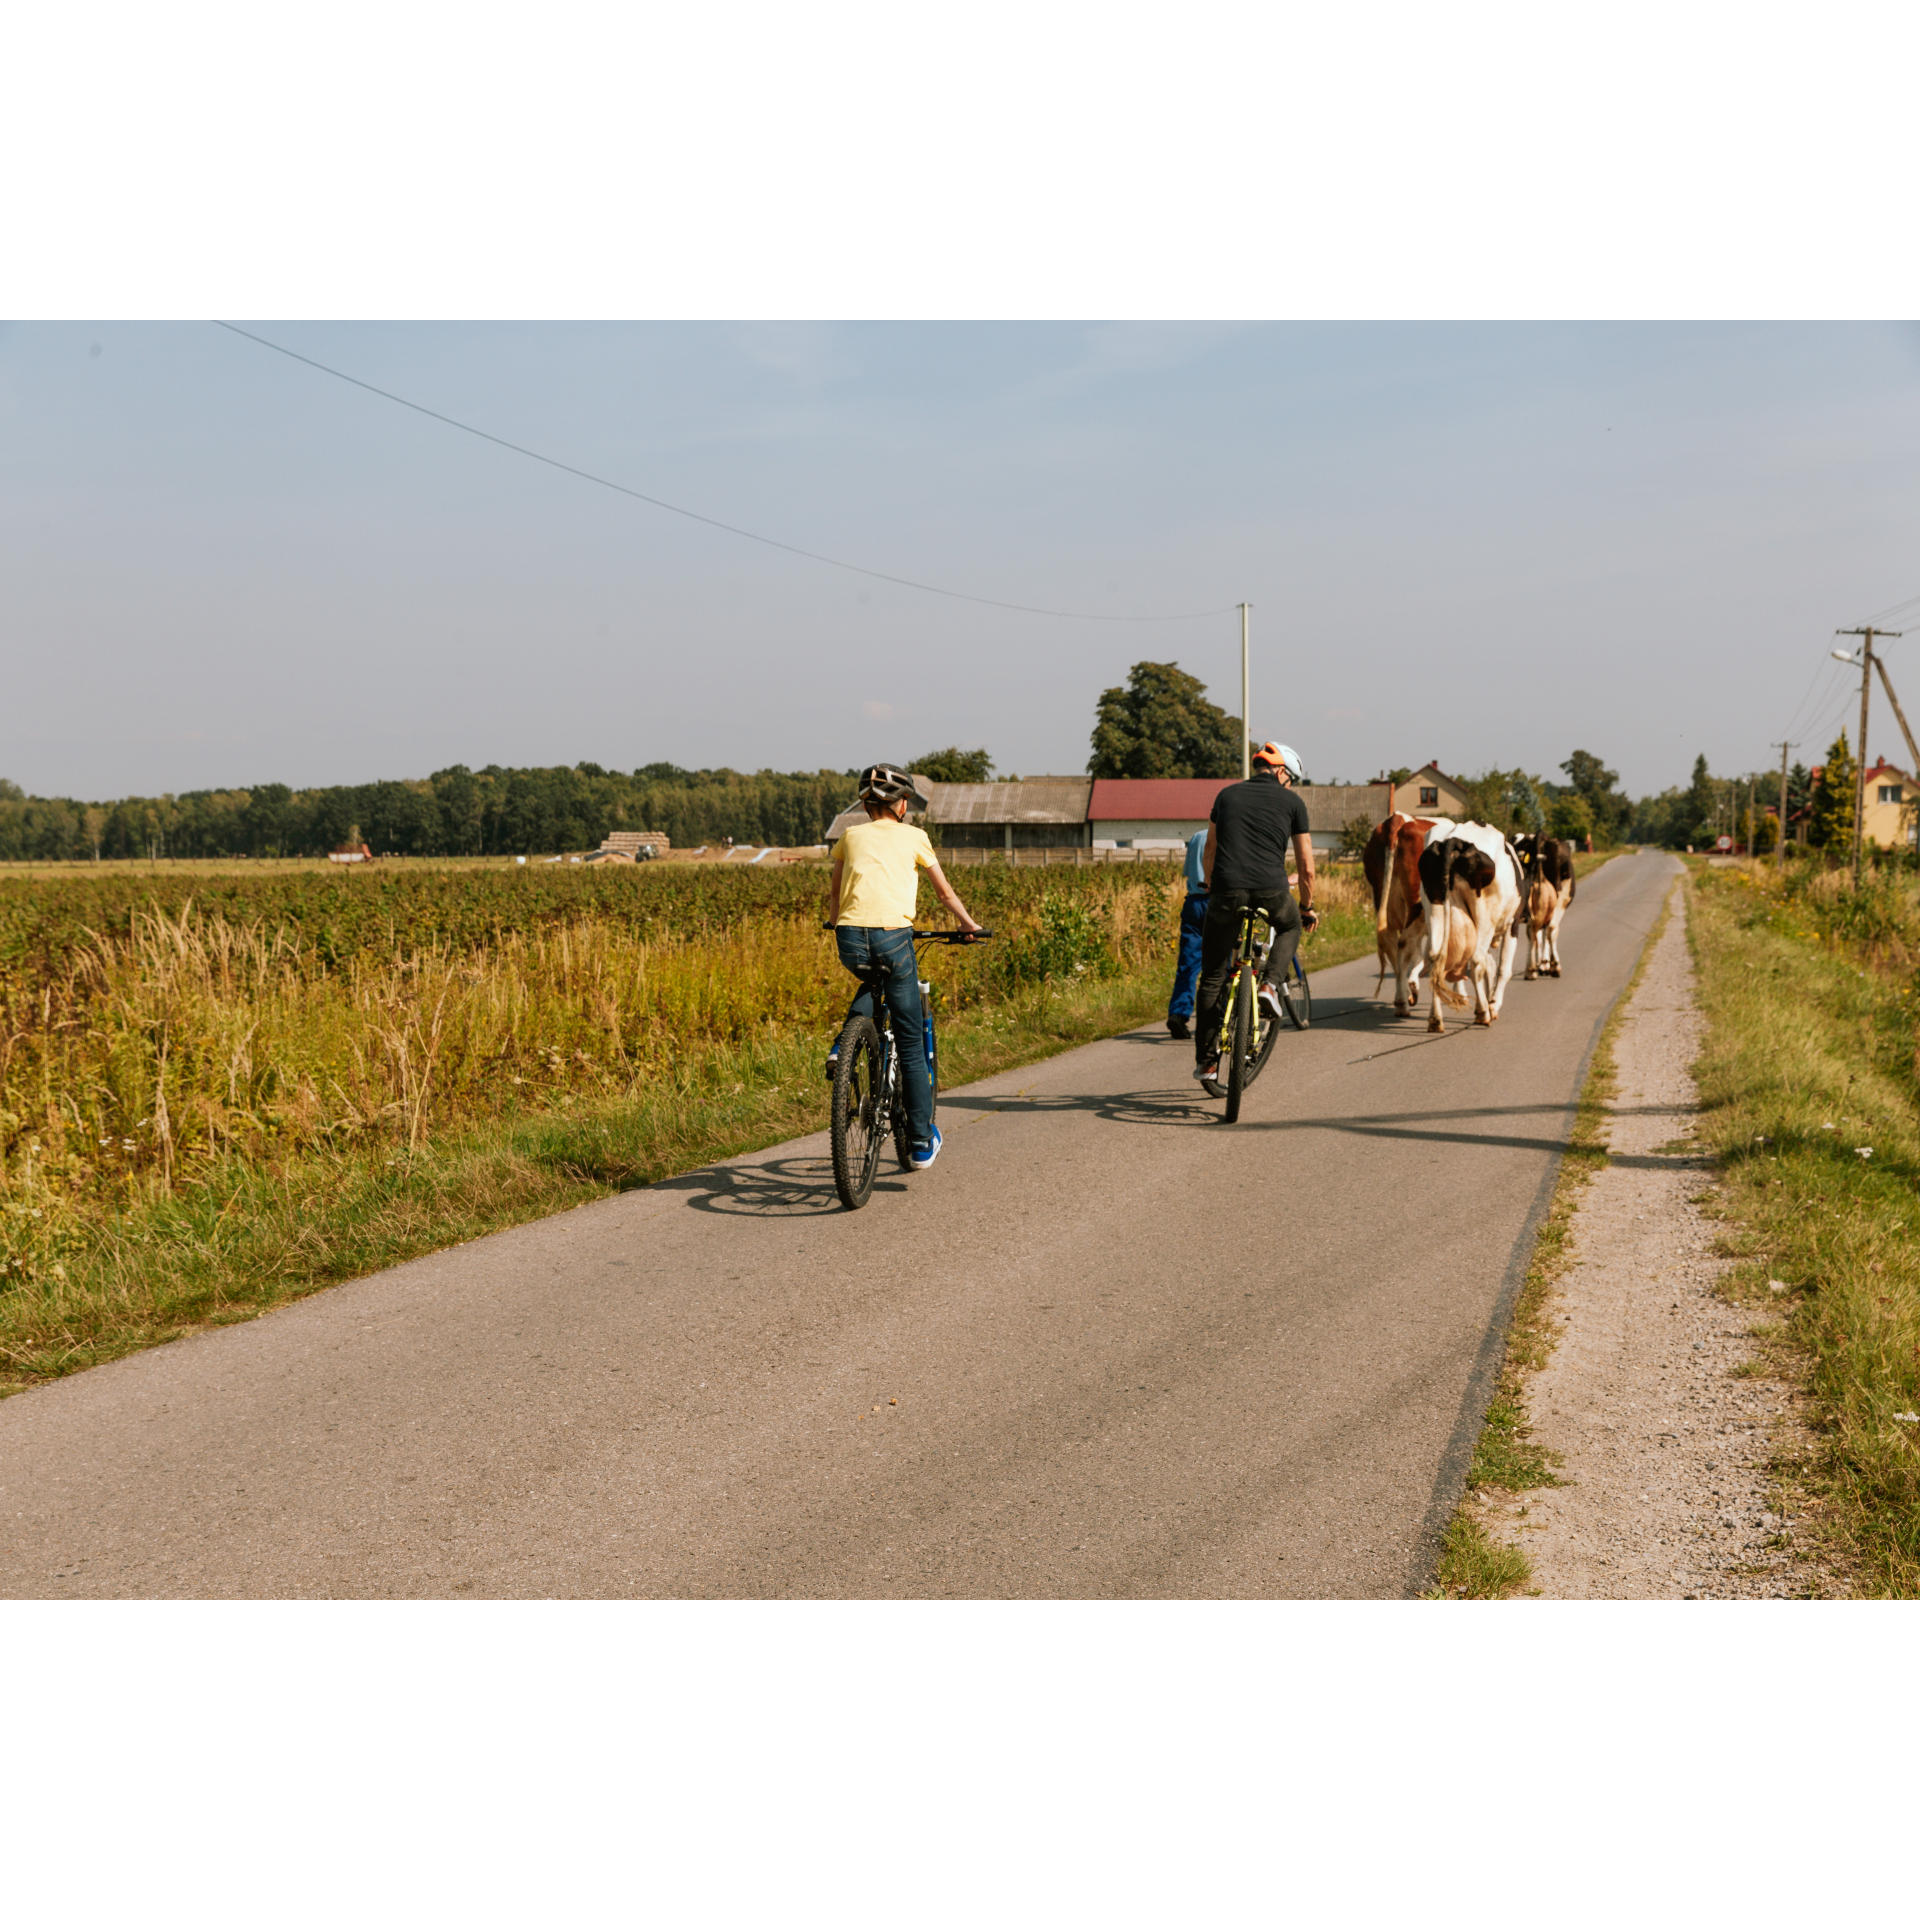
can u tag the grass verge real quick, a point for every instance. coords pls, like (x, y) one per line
(1506, 1455)
(1808, 1082)
(246, 1237)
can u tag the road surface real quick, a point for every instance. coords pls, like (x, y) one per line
(1108, 1346)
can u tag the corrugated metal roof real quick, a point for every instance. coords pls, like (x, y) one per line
(997, 803)
(1331, 808)
(1153, 799)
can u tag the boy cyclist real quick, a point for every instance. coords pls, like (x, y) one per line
(870, 905)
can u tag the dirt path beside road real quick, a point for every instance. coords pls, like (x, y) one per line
(1664, 1444)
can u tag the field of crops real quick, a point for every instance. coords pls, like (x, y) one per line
(222, 1090)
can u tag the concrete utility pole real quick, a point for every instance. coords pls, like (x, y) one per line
(1246, 724)
(1780, 848)
(1864, 661)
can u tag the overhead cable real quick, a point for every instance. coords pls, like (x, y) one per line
(687, 513)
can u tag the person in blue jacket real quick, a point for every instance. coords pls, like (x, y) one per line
(1193, 916)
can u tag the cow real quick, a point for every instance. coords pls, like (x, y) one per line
(1547, 894)
(1392, 866)
(1470, 883)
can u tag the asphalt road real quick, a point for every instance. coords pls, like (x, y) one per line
(1108, 1346)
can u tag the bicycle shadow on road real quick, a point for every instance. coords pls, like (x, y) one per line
(1145, 1106)
(795, 1188)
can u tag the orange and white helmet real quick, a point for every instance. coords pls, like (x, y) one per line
(1271, 753)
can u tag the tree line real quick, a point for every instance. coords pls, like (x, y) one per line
(499, 810)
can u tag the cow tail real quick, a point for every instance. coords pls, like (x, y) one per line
(1386, 886)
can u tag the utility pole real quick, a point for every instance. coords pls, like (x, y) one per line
(1781, 844)
(1865, 663)
(1893, 700)
(1246, 723)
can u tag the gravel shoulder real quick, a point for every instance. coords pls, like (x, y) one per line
(1664, 1444)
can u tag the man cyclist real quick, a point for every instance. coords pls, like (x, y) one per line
(870, 906)
(1245, 865)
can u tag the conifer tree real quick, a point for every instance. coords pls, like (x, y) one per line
(1831, 823)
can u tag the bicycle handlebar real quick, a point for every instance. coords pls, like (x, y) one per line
(956, 937)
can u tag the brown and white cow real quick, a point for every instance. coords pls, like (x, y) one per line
(1470, 882)
(1391, 863)
(1548, 892)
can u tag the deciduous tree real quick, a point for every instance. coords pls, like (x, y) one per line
(1162, 726)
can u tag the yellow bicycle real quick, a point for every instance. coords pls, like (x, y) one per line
(1247, 1033)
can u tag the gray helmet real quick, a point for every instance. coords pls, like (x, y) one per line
(886, 784)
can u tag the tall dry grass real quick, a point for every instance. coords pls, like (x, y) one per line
(202, 1114)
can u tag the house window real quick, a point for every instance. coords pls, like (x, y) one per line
(1429, 796)
(1891, 796)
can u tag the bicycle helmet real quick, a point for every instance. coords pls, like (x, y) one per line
(1273, 754)
(885, 784)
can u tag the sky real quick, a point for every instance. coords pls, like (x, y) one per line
(1485, 544)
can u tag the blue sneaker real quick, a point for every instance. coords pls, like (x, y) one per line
(921, 1158)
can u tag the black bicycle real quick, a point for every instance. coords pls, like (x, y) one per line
(1246, 1035)
(869, 1099)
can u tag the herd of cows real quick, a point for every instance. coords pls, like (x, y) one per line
(1452, 899)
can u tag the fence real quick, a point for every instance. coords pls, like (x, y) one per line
(1061, 856)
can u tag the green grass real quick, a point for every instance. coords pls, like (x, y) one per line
(1809, 1058)
(1475, 1567)
(324, 1121)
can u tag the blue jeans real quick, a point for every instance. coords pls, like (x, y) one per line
(1186, 975)
(862, 949)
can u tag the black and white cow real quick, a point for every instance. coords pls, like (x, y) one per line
(1547, 894)
(1470, 881)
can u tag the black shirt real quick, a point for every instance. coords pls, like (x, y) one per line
(1254, 822)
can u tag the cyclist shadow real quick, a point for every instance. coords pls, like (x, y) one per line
(1142, 1107)
(789, 1189)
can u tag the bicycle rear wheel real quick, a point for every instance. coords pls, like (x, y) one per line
(859, 1128)
(1297, 997)
(1241, 1046)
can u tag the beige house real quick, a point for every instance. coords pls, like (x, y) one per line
(1430, 795)
(1888, 818)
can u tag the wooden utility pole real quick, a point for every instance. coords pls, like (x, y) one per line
(1893, 700)
(1866, 636)
(1781, 848)
(1246, 719)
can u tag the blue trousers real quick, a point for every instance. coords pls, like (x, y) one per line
(864, 950)
(1186, 974)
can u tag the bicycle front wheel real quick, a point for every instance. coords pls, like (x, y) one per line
(859, 1129)
(1240, 1047)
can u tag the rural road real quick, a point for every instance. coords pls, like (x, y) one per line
(1108, 1347)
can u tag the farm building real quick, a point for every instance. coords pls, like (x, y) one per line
(1009, 814)
(1149, 813)
(1164, 813)
(1047, 812)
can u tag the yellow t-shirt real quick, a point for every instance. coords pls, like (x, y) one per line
(880, 862)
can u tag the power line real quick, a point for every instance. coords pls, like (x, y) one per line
(687, 513)
(1893, 612)
(1825, 667)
